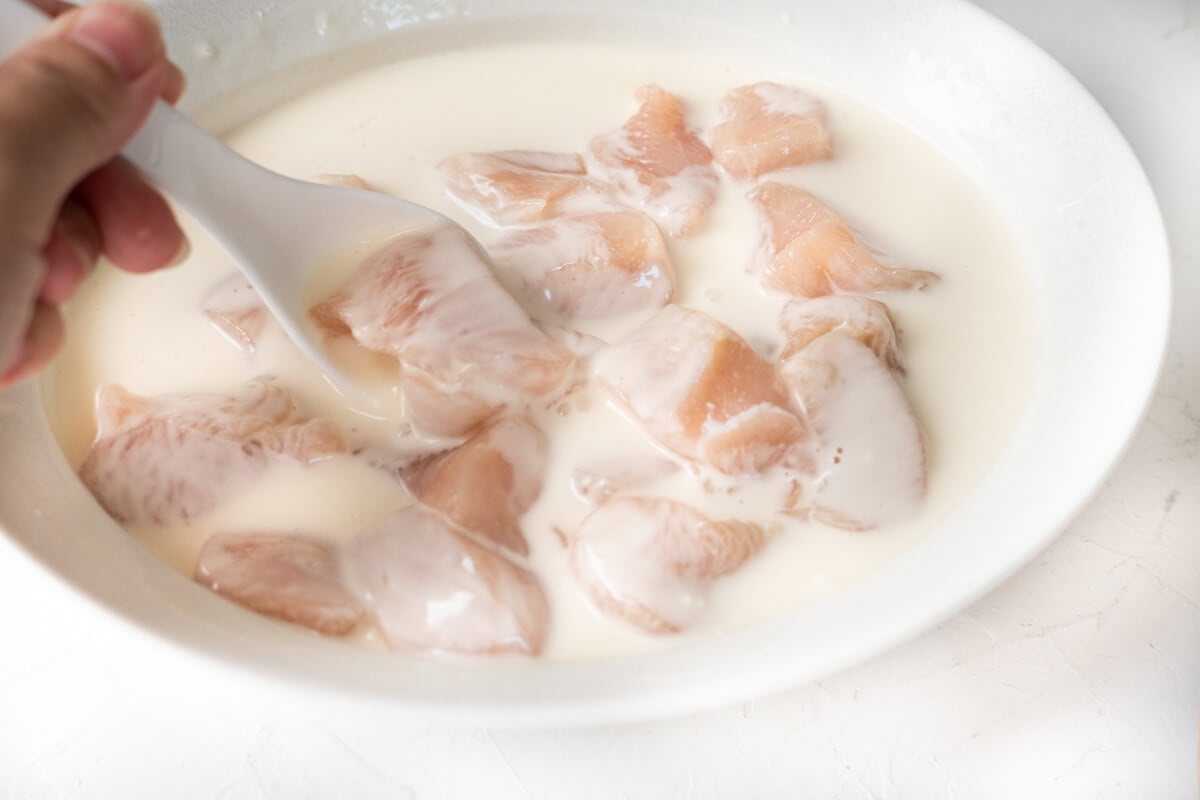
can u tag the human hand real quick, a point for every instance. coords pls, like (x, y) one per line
(69, 101)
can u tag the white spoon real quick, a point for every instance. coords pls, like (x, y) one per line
(279, 230)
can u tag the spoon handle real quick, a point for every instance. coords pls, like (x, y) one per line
(180, 158)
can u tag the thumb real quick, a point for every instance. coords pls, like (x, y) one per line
(69, 101)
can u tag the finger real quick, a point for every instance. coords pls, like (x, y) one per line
(175, 84)
(176, 81)
(138, 232)
(43, 339)
(70, 254)
(23, 274)
(68, 102)
(52, 7)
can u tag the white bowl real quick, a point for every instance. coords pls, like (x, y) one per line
(993, 102)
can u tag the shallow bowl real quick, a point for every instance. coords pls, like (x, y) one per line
(1007, 114)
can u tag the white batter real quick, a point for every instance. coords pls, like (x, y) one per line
(966, 341)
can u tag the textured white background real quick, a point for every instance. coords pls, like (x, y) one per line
(1079, 678)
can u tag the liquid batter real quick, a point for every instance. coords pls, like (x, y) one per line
(966, 340)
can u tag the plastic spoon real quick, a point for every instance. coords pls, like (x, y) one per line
(279, 230)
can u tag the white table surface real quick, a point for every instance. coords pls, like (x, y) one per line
(1079, 678)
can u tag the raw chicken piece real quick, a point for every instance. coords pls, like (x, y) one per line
(702, 391)
(658, 163)
(590, 266)
(597, 483)
(395, 456)
(650, 561)
(486, 484)
(466, 350)
(583, 345)
(767, 126)
(516, 187)
(870, 459)
(175, 457)
(235, 310)
(808, 250)
(430, 587)
(292, 578)
(345, 181)
(861, 318)
(440, 414)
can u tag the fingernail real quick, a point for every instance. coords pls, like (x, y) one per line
(122, 33)
(185, 250)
